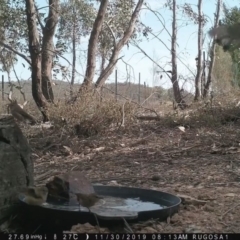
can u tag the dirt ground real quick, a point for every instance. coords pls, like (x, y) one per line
(201, 165)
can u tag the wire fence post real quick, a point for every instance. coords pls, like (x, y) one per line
(3, 88)
(203, 79)
(145, 90)
(139, 86)
(116, 85)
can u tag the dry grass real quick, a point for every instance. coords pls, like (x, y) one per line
(90, 115)
(202, 163)
(193, 163)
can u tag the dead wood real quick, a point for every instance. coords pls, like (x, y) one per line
(17, 110)
(20, 114)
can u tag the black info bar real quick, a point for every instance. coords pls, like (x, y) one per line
(121, 236)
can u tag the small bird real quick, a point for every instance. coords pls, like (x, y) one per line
(226, 35)
(89, 200)
(35, 195)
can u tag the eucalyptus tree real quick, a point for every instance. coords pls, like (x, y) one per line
(41, 49)
(120, 26)
(26, 34)
(116, 22)
(10, 26)
(76, 20)
(114, 25)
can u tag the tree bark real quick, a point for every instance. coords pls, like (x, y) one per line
(200, 43)
(16, 169)
(92, 46)
(212, 53)
(74, 55)
(103, 60)
(48, 49)
(174, 78)
(35, 52)
(114, 58)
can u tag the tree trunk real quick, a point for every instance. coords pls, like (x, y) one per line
(92, 46)
(203, 78)
(174, 78)
(200, 43)
(16, 164)
(102, 62)
(210, 71)
(35, 52)
(48, 49)
(73, 57)
(212, 53)
(118, 47)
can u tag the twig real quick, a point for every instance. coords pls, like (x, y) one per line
(229, 210)
(127, 225)
(123, 115)
(36, 229)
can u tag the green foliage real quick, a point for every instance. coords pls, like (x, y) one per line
(75, 16)
(232, 16)
(76, 21)
(79, 16)
(117, 19)
(3, 8)
(193, 16)
(13, 31)
(118, 16)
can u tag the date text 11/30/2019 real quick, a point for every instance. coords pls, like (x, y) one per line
(121, 236)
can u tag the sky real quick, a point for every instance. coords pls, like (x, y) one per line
(138, 62)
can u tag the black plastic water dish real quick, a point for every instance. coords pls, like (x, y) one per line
(169, 202)
(150, 204)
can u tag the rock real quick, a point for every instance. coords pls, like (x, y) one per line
(16, 166)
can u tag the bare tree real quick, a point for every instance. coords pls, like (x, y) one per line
(173, 73)
(174, 78)
(200, 44)
(74, 53)
(212, 52)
